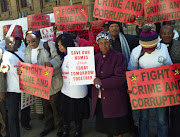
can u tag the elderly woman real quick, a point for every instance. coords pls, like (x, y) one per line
(109, 90)
(44, 54)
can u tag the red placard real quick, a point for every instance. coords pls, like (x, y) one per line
(69, 18)
(118, 10)
(17, 32)
(35, 79)
(97, 30)
(98, 23)
(154, 87)
(36, 22)
(162, 10)
(83, 34)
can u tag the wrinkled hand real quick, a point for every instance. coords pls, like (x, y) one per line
(140, 20)
(19, 71)
(129, 91)
(48, 64)
(54, 28)
(2, 96)
(97, 81)
(4, 68)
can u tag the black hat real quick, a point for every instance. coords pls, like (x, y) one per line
(113, 22)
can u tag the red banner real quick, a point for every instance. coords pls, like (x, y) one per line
(162, 10)
(97, 30)
(98, 23)
(17, 32)
(36, 22)
(154, 87)
(69, 18)
(35, 79)
(118, 10)
(83, 34)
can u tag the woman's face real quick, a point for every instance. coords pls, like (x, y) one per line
(61, 47)
(32, 41)
(104, 45)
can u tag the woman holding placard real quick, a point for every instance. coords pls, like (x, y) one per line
(74, 100)
(150, 54)
(109, 90)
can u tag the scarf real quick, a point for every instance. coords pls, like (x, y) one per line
(125, 47)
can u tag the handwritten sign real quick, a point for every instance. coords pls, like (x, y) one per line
(81, 65)
(47, 33)
(36, 22)
(120, 10)
(154, 87)
(35, 79)
(162, 10)
(27, 100)
(70, 17)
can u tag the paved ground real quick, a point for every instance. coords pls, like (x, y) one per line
(88, 127)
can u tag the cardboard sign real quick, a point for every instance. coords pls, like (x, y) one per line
(154, 87)
(36, 22)
(98, 23)
(47, 33)
(81, 65)
(162, 10)
(118, 10)
(69, 18)
(27, 100)
(35, 79)
(16, 31)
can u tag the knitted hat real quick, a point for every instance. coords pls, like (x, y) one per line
(148, 38)
(103, 35)
(113, 22)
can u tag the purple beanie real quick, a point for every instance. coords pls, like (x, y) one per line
(148, 38)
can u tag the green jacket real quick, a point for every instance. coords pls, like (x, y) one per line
(2, 76)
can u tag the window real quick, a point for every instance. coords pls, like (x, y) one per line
(25, 3)
(4, 5)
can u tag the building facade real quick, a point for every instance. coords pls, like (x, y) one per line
(13, 9)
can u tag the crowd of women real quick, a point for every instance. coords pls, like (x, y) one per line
(118, 53)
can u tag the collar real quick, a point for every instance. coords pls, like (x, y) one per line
(107, 54)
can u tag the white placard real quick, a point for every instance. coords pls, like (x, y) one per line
(27, 100)
(81, 65)
(47, 33)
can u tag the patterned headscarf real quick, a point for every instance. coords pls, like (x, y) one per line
(103, 35)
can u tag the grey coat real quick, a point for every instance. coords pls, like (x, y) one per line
(54, 59)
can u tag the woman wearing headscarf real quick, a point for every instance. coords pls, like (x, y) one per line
(109, 91)
(45, 54)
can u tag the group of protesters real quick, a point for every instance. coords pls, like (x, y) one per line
(118, 52)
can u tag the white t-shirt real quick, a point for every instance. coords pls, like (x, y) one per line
(34, 54)
(79, 91)
(22, 47)
(159, 57)
(12, 77)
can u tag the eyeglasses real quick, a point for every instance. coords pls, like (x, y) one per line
(31, 41)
